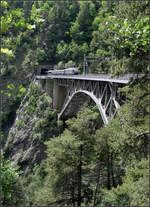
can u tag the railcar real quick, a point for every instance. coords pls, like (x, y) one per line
(67, 71)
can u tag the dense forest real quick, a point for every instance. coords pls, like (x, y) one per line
(79, 161)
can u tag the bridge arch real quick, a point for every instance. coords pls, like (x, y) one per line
(98, 102)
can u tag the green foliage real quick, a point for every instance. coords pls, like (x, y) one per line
(115, 32)
(13, 18)
(121, 37)
(47, 125)
(13, 27)
(6, 51)
(134, 191)
(128, 146)
(38, 105)
(15, 94)
(131, 39)
(12, 191)
(82, 27)
(65, 155)
(62, 162)
(4, 4)
(31, 181)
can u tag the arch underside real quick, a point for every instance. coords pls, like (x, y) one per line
(106, 104)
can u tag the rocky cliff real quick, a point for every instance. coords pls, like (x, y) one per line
(35, 123)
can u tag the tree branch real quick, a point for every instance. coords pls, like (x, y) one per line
(142, 134)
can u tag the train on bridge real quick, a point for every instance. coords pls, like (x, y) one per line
(67, 71)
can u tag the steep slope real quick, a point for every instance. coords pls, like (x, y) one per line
(35, 123)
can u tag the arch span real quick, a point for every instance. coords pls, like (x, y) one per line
(103, 108)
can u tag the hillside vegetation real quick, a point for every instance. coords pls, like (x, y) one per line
(80, 162)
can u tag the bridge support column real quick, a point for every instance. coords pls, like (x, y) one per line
(49, 87)
(59, 95)
(42, 82)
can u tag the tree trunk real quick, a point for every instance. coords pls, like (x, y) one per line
(72, 193)
(108, 171)
(112, 171)
(80, 177)
(97, 185)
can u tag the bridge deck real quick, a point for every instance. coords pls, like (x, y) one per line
(99, 77)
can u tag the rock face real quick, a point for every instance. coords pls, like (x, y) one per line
(23, 149)
(35, 123)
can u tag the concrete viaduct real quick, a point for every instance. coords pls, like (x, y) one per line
(69, 92)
